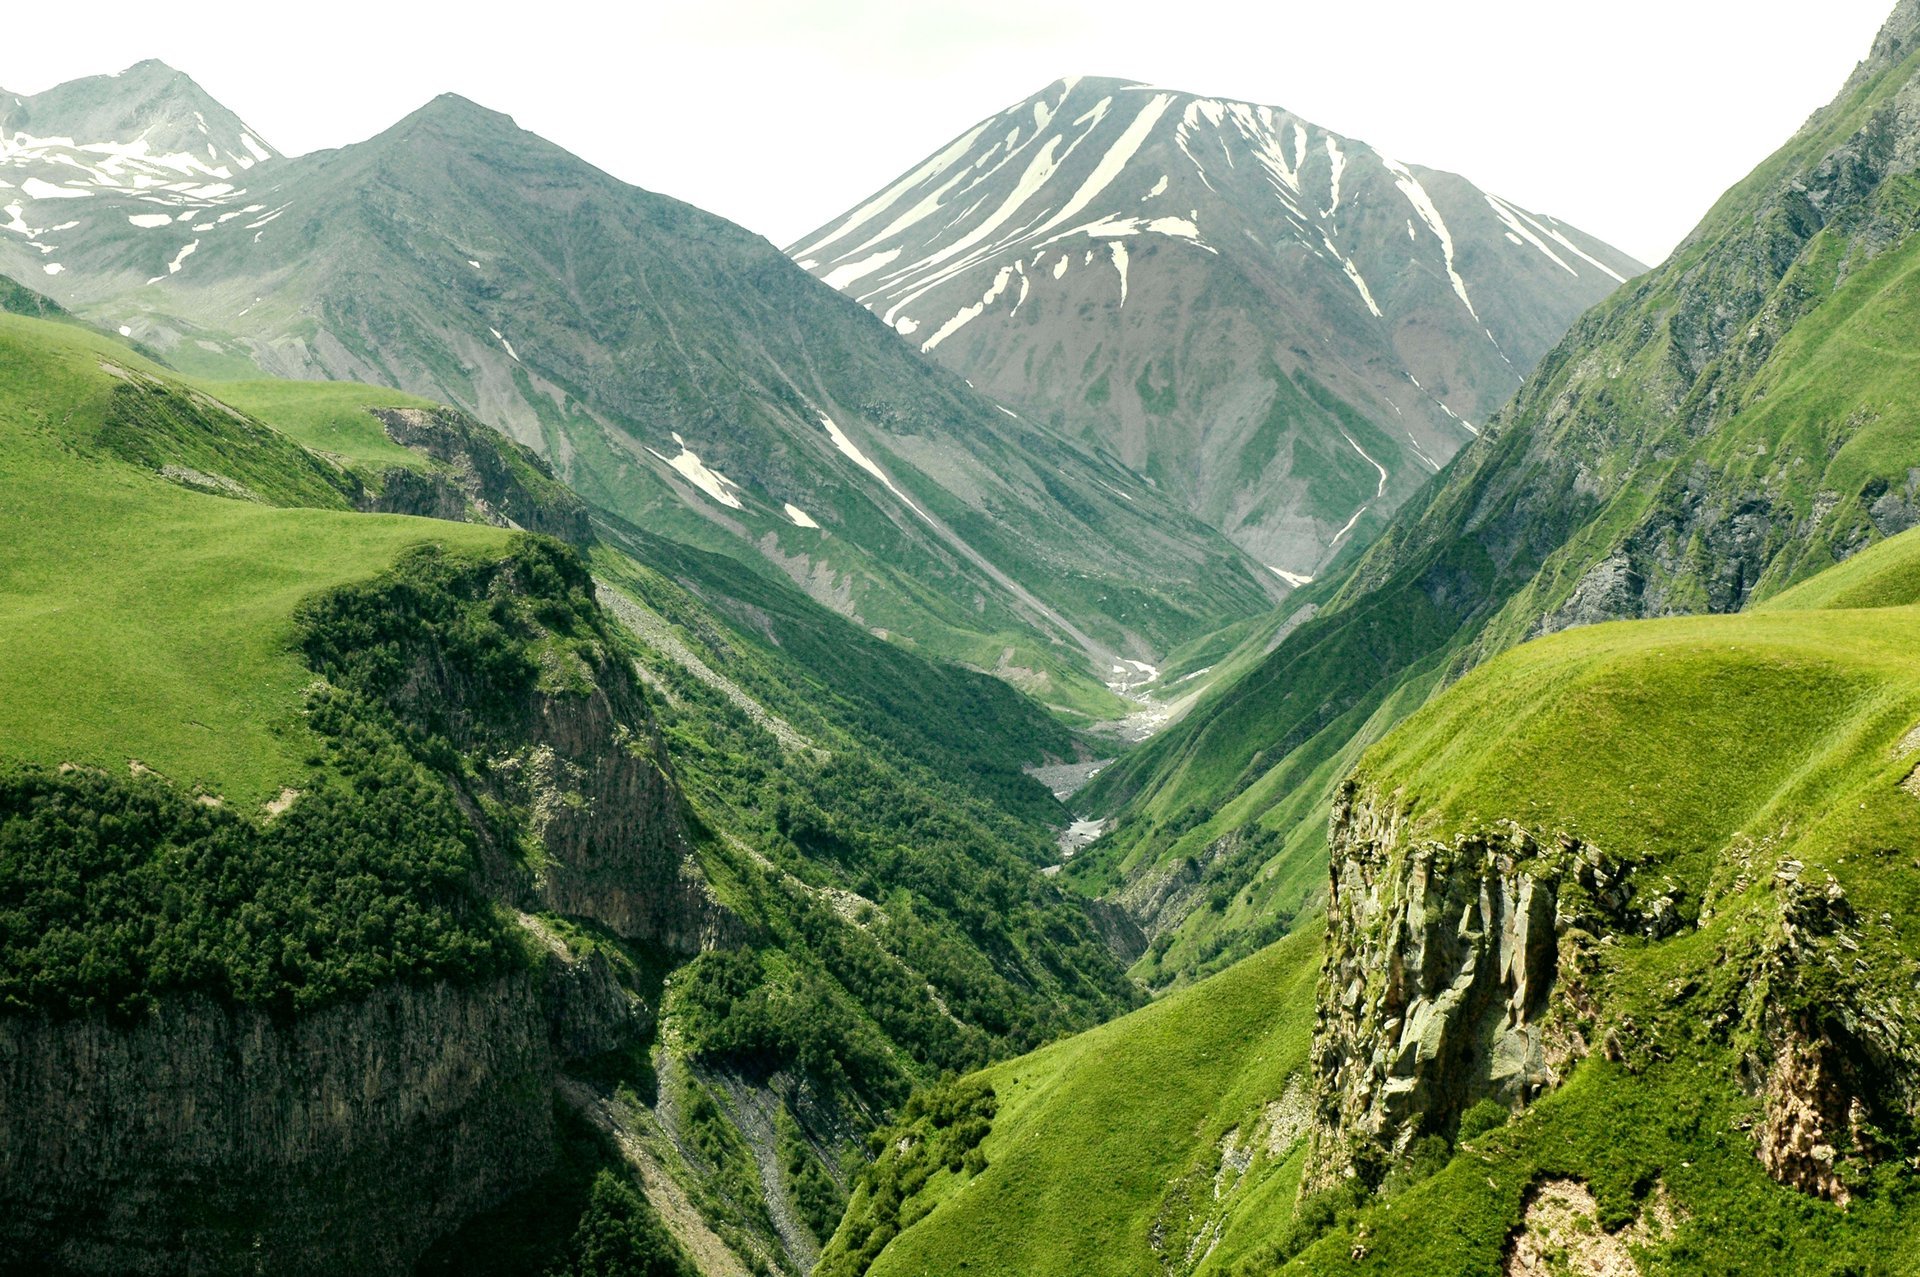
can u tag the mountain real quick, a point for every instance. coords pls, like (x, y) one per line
(1617, 976)
(387, 833)
(148, 128)
(1283, 329)
(679, 372)
(1712, 434)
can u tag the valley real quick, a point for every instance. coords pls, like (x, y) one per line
(1167, 694)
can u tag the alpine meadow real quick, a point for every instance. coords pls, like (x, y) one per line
(1167, 693)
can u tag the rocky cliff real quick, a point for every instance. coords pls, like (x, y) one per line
(1479, 968)
(182, 1131)
(206, 1138)
(481, 477)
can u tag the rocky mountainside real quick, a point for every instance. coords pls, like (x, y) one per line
(147, 132)
(1716, 431)
(679, 372)
(1281, 328)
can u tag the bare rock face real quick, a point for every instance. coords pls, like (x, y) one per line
(1434, 991)
(1833, 1058)
(1461, 971)
(207, 1138)
(488, 478)
(1455, 972)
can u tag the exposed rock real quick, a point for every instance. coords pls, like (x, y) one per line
(1561, 1234)
(1454, 973)
(1117, 929)
(486, 478)
(1834, 1061)
(207, 1138)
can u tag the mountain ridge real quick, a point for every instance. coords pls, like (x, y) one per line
(1266, 318)
(741, 406)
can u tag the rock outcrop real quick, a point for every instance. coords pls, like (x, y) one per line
(1440, 961)
(1835, 1059)
(1465, 970)
(205, 1138)
(483, 477)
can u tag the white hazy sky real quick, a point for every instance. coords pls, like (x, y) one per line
(1626, 118)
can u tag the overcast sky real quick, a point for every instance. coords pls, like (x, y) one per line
(1626, 118)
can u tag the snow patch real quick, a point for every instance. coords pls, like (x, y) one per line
(970, 313)
(1118, 249)
(1296, 579)
(53, 268)
(938, 164)
(711, 482)
(1339, 167)
(36, 189)
(509, 347)
(800, 518)
(1423, 205)
(1159, 188)
(851, 450)
(841, 276)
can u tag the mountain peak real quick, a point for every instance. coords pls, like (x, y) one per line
(149, 102)
(451, 112)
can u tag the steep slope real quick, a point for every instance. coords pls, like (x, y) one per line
(1283, 329)
(701, 762)
(1715, 432)
(1618, 977)
(678, 372)
(1170, 1137)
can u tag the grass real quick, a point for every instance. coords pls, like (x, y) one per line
(1698, 754)
(329, 417)
(1106, 1136)
(141, 620)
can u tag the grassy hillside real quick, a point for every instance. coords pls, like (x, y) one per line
(1720, 762)
(144, 620)
(1757, 773)
(1172, 1133)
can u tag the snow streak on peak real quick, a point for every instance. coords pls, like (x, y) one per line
(1423, 205)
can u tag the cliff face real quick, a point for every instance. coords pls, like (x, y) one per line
(486, 478)
(1436, 991)
(1478, 969)
(205, 1138)
(550, 748)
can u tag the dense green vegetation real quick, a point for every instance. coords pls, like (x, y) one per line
(907, 931)
(115, 891)
(620, 1236)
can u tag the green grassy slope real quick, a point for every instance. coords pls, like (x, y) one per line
(1716, 432)
(329, 417)
(164, 549)
(1106, 1149)
(145, 620)
(1717, 759)
(1710, 759)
